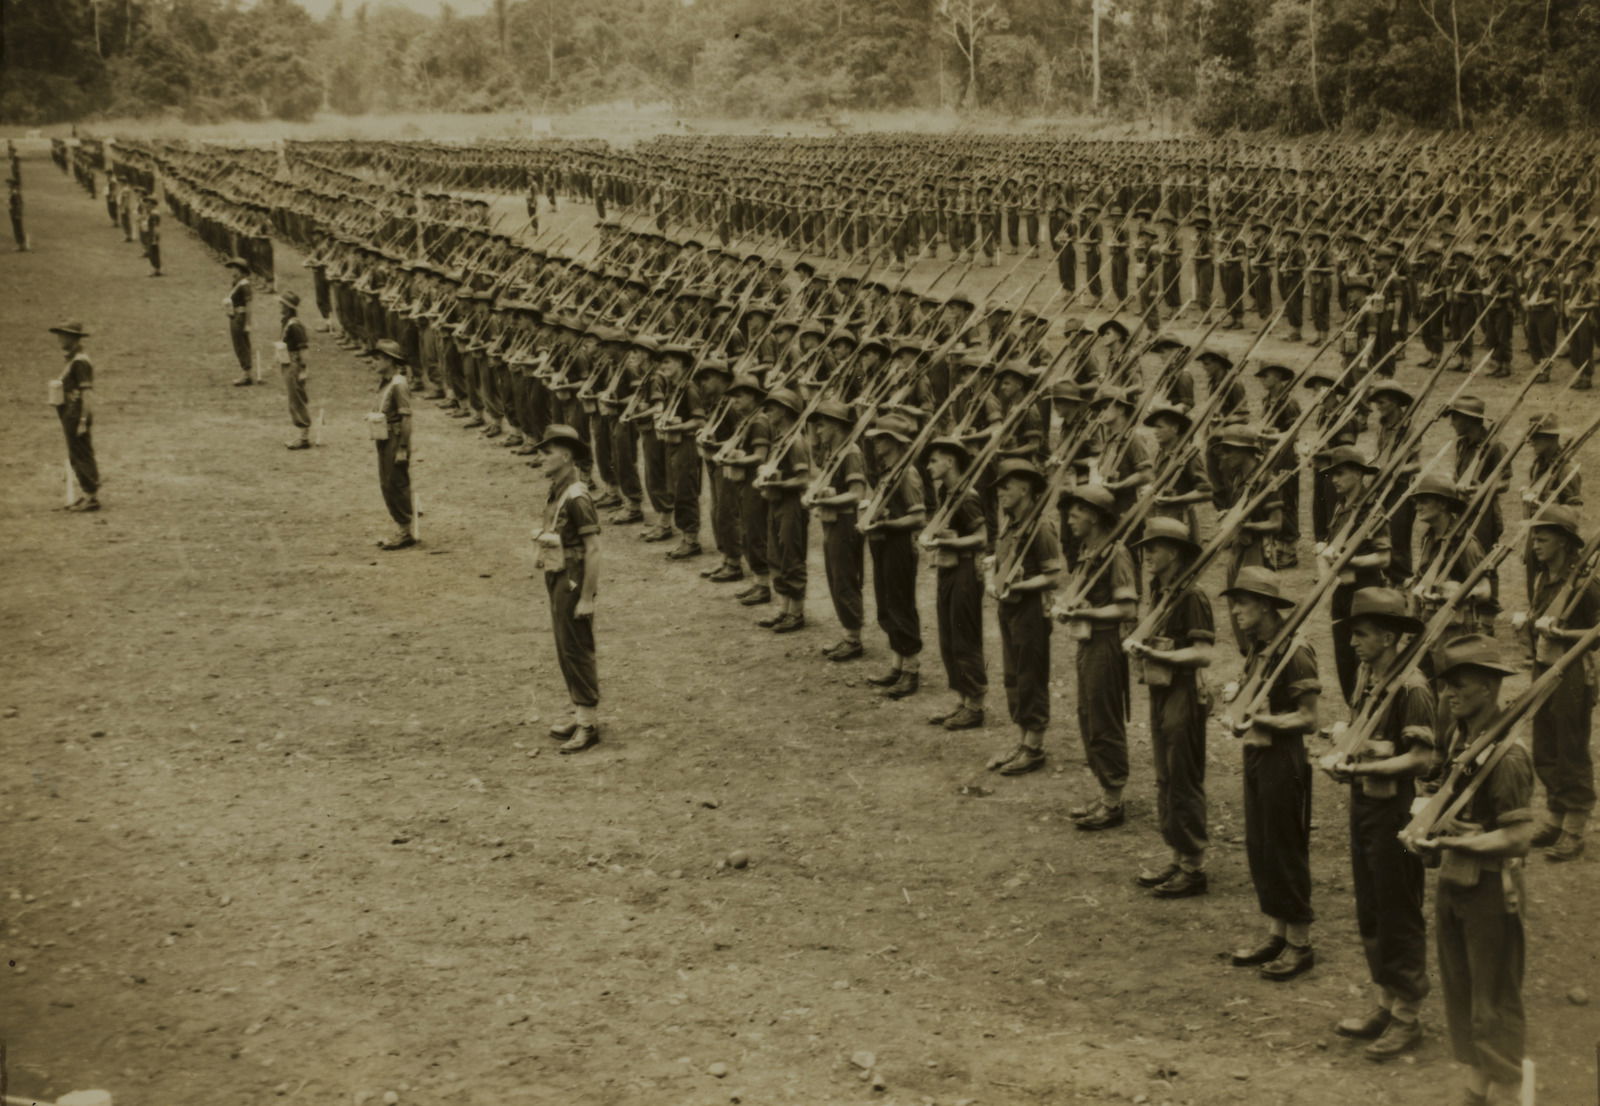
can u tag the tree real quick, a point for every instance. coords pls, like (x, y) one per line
(967, 22)
(1446, 19)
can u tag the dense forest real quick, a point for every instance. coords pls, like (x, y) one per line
(1289, 65)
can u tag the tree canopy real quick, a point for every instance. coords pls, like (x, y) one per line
(1288, 65)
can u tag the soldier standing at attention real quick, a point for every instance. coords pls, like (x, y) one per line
(894, 557)
(569, 555)
(1479, 894)
(391, 432)
(238, 305)
(1389, 882)
(152, 237)
(959, 599)
(291, 351)
(70, 396)
(15, 204)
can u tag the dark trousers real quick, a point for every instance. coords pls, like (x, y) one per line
(1289, 491)
(1321, 303)
(683, 461)
(959, 603)
(1481, 953)
(1561, 734)
(654, 451)
(241, 346)
(1025, 658)
(1178, 742)
(1102, 669)
(753, 531)
(725, 515)
(1345, 660)
(787, 526)
(80, 451)
(1205, 284)
(1390, 887)
(574, 639)
(1277, 827)
(294, 383)
(844, 562)
(394, 477)
(625, 456)
(1233, 290)
(894, 590)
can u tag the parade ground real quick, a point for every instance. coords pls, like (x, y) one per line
(283, 822)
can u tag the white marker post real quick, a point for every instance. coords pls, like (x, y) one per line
(316, 429)
(1527, 1082)
(255, 364)
(72, 484)
(416, 515)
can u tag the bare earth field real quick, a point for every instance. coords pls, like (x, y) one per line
(282, 822)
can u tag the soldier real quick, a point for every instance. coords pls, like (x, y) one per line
(151, 233)
(891, 540)
(1277, 777)
(783, 478)
(836, 503)
(291, 353)
(1389, 882)
(1170, 665)
(1179, 496)
(1291, 281)
(740, 456)
(390, 425)
(1347, 470)
(14, 203)
(569, 556)
(1319, 282)
(1477, 458)
(1561, 606)
(1027, 564)
(1105, 595)
(72, 395)
(1282, 412)
(1478, 902)
(238, 304)
(959, 597)
(1203, 259)
(1443, 562)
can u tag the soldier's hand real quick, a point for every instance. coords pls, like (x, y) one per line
(402, 455)
(584, 608)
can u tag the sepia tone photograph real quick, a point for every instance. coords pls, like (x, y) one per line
(812, 553)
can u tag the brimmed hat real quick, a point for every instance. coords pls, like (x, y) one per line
(1112, 326)
(953, 446)
(786, 398)
(833, 409)
(744, 382)
(1547, 425)
(237, 263)
(561, 434)
(291, 299)
(74, 329)
(898, 427)
(1558, 517)
(1016, 366)
(1097, 496)
(1471, 407)
(1106, 394)
(1394, 391)
(1261, 582)
(1173, 530)
(1068, 391)
(1219, 357)
(1385, 606)
(1469, 651)
(391, 349)
(1168, 411)
(1016, 466)
(1440, 487)
(1347, 456)
(1238, 436)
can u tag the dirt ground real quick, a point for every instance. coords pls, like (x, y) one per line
(282, 821)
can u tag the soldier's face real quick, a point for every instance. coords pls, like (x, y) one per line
(1548, 544)
(1160, 556)
(1466, 692)
(1248, 612)
(1345, 479)
(1165, 430)
(555, 460)
(1081, 520)
(1370, 641)
(940, 466)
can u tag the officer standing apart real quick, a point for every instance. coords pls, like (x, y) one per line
(391, 432)
(291, 352)
(569, 555)
(238, 305)
(69, 394)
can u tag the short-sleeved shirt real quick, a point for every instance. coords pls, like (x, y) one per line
(1297, 680)
(1116, 583)
(75, 380)
(1408, 724)
(755, 435)
(795, 461)
(1471, 615)
(903, 498)
(1378, 541)
(294, 334)
(1190, 622)
(851, 469)
(239, 297)
(394, 402)
(1505, 797)
(569, 512)
(1584, 610)
(1042, 553)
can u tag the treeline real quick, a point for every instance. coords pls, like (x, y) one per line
(1290, 65)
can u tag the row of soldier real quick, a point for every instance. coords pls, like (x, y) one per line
(673, 368)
